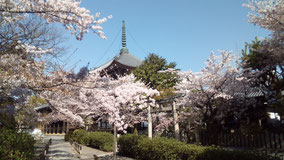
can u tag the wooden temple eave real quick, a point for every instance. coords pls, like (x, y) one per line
(116, 68)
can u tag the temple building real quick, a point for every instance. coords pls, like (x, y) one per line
(122, 63)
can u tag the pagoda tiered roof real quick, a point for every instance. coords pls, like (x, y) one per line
(121, 63)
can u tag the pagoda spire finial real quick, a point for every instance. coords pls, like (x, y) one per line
(123, 35)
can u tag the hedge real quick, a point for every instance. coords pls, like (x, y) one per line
(142, 148)
(80, 136)
(67, 136)
(99, 140)
(16, 146)
(128, 144)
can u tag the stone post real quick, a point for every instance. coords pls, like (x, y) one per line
(67, 127)
(150, 132)
(175, 118)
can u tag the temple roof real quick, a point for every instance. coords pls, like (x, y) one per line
(124, 57)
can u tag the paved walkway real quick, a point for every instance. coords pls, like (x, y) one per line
(60, 150)
(88, 153)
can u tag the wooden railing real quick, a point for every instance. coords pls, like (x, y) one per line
(76, 146)
(41, 150)
(56, 128)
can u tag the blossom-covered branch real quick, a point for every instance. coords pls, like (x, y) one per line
(76, 19)
(120, 102)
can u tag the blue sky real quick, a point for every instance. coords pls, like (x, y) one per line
(182, 31)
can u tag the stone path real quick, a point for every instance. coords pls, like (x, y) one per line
(88, 153)
(60, 150)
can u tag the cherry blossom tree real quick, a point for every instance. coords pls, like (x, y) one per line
(24, 69)
(269, 15)
(26, 43)
(208, 94)
(22, 44)
(116, 101)
(267, 55)
(121, 102)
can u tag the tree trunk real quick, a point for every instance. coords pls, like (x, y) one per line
(212, 132)
(114, 141)
(197, 138)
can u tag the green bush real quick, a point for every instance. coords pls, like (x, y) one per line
(127, 144)
(142, 148)
(101, 140)
(80, 136)
(68, 136)
(167, 149)
(16, 146)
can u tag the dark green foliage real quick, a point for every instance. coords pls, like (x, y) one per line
(259, 55)
(7, 121)
(252, 57)
(16, 146)
(101, 140)
(127, 144)
(148, 72)
(80, 136)
(142, 148)
(167, 149)
(67, 136)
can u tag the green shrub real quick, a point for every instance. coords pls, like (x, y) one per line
(142, 148)
(68, 136)
(167, 149)
(127, 144)
(16, 146)
(7, 121)
(80, 136)
(101, 140)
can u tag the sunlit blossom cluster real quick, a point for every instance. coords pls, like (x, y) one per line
(267, 14)
(76, 19)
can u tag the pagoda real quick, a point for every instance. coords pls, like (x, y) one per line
(122, 63)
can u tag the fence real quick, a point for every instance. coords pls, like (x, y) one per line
(268, 142)
(60, 127)
(41, 150)
(76, 146)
